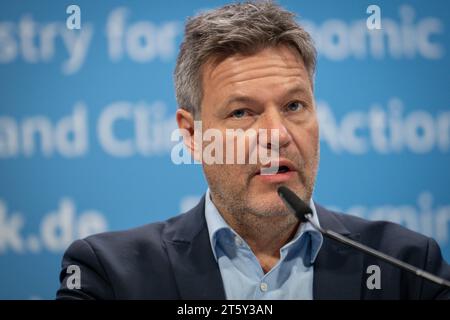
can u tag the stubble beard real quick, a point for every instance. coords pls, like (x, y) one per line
(244, 212)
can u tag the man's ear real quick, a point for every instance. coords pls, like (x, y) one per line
(186, 124)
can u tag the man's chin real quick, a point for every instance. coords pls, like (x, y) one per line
(267, 204)
(266, 196)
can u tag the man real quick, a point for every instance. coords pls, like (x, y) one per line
(250, 66)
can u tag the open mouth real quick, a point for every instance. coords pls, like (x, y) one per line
(274, 170)
(283, 169)
(280, 172)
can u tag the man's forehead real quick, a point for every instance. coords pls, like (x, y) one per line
(260, 62)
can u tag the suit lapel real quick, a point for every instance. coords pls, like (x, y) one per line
(195, 269)
(338, 269)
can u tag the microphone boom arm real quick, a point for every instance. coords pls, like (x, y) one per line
(304, 214)
(378, 254)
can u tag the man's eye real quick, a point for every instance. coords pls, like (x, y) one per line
(239, 113)
(295, 106)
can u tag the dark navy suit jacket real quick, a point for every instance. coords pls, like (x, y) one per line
(174, 260)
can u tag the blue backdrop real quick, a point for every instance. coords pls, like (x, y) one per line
(86, 117)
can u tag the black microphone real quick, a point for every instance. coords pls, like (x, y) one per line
(304, 213)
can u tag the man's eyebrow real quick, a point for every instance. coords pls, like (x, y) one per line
(238, 98)
(297, 90)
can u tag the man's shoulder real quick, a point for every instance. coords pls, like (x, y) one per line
(395, 240)
(147, 233)
(378, 233)
(150, 235)
(117, 264)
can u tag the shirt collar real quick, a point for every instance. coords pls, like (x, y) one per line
(216, 223)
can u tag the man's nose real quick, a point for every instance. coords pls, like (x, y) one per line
(275, 134)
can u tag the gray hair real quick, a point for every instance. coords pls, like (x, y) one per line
(240, 28)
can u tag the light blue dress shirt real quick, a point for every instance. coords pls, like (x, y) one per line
(242, 275)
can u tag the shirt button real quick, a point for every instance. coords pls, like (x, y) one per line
(238, 241)
(263, 286)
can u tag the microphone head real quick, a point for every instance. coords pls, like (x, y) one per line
(294, 203)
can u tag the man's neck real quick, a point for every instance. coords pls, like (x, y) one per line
(265, 235)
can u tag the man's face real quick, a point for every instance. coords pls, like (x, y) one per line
(268, 90)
